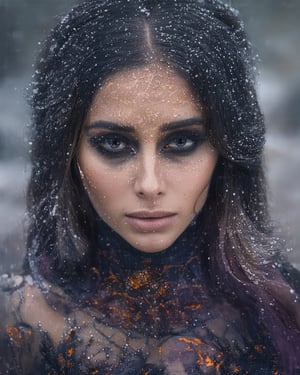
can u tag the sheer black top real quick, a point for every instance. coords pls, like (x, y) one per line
(142, 314)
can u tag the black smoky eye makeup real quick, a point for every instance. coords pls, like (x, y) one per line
(179, 143)
(183, 143)
(113, 145)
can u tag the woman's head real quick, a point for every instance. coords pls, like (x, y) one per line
(202, 44)
(143, 156)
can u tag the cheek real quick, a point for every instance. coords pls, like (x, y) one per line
(198, 184)
(200, 201)
(195, 195)
(93, 178)
(100, 185)
(103, 187)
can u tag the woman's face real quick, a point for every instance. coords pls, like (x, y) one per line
(144, 158)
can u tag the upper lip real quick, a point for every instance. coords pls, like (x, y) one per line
(144, 214)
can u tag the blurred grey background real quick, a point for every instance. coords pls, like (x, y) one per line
(273, 27)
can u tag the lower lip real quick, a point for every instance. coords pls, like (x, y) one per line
(150, 224)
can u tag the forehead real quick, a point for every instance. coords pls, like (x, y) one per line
(154, 94)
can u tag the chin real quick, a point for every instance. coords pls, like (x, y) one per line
(152, 246)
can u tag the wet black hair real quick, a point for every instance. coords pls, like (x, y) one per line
(205, 42)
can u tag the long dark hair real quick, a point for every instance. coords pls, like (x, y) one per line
(205, 42)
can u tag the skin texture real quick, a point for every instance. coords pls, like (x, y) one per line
(151, 191)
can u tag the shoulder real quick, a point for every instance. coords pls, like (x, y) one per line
(28, 321)
(19, 298)
(11, 290)
(17, 338)
(9, 282)
(36, 307)
(24, 303)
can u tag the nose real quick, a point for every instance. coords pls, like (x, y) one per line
(148, 182)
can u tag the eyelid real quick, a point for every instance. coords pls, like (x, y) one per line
(109, 134)
(197, 137)
(97, 143)
(191, 133)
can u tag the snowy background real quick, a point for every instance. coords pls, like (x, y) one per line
(273, 27)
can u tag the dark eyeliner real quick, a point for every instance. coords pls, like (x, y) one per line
(197, 138)
(97, 142)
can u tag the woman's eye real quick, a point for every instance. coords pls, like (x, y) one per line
(183, 143)
(111, 145)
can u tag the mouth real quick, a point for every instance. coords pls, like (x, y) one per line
(150, 221)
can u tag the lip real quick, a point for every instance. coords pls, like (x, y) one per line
(150, 221)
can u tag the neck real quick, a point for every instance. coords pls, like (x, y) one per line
(140, 290)
(111, 245)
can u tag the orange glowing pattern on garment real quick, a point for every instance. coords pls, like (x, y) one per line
(14, 333)
(149, 296)
(194, 341)
(63, 362)
(17, 335)
(111, 277)
(236, 370)
(94, 372)
(203, 358)
(70, 352)
(160, 350)
(69, 335)
(139, 279)
(66, 358)
(259, 348)
(193, 307)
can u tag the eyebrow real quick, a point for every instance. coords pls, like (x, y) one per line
(128, 129)
(110, 126)
(182, 123)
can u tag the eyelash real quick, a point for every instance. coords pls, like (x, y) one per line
(192, 139)
(172, 145)
(104, 145)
